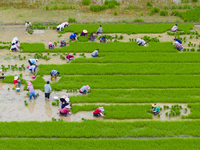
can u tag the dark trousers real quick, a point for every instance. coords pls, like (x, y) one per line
(47, 95)
(30, 63)
(96, 115)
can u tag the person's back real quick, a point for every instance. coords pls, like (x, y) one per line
(47, 88)
(30, 88)
(157, 109)
(179, 41)
(95, 53)
(84, 89)
(33, 61)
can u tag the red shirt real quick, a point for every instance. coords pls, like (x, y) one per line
(64, 110)
(69, 56)
(97, 111)
(15, 81)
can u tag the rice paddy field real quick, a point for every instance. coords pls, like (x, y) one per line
(126, 79)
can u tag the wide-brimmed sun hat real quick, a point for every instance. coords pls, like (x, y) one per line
(16, 77)
(84, 31)
(154, 105)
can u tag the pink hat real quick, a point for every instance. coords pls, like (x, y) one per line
(87, 86)
(49, 43)
(29, 83)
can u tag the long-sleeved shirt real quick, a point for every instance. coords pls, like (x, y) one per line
(140, 41)
(83, 34)
(174, 28)
(15, 40)
(178, 41)
(54, 72)
(100, 30)
(157, 109)
(31, 68)
(59, 27)
(73, 35)
(83, 89)
(47, 88)
(95, 53)
(33, 61)
(97, 111)
(30, 88)
(14, 47)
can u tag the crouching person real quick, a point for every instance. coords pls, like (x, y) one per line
(16, 82)
(155, 109)
(84, 90)
(14, 48)
(98, 112)
(65, 110)
(51, 45)
(141, 42)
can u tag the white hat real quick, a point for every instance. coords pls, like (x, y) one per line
(67, 99)
(0, 70)
(84, 31)
(68, 106)
(101, 108)
(16, 77)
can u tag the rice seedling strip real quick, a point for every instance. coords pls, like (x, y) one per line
(118, 111)
(123, 69)
(111, 144)
(139, 96)
(195, 111)
(96, 129)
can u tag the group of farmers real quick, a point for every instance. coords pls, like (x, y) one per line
(65, 107)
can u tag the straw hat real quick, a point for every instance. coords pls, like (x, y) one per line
(16, 77)
(68, 106)
(154, 105)
(84, 31)
(67, 100)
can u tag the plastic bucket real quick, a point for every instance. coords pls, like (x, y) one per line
(17, 89)
(14, 85)
(33, 77)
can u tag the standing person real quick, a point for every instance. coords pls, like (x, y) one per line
(84, 33)
(73, 36)
(174, 28)
(14, 48)
(84, 90)
(31, 90)
(54, 73)
(155, 109)
(141, 42)
(92, 37)
(178, 41)
(51, 45)
(179, 46)
(98, 112)
(32, 61)
(69, 57)
(103, 39)
(47, 90)
(27, 24)
(16, 81)
(95, 53)
(33, 68)
(100, 30)
(15, 41)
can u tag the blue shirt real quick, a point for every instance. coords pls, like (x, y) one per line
(72, 36)
(54, 72)
(102, 38)
(178, 41)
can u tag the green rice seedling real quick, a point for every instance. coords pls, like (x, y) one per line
(194, 45)
(85, 2)
(8, 89)
(170, 115)
(60, 35)
(115, 13)
(138, 20)
(154, 10)
(53, 119)
(149, 4)
(82, 54)
(70, 20)
(175, 13)
(166, 7)
(158, 115)
(173, 6)
(46, 7)
(166, 113)
(62, 57)
(180, 7)
(185, 109)
(53, 103)
(74, 54)
(19, 56)
(24, 57)
(131, 7)
(160, 108)
(192, 49)
(21, 59)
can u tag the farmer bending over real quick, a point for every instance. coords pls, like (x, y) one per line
(65, 110)
(63, 43)
(54, 74)
(174, 28)
(69, 57)
(95, 53)
(179, 46)
(141, 42)
(84, 33)
(16, 81)
(51, 45)
(15, 41)
(27, 24)
(84, 90)
(14, 48)
(103, 39)
(32, 61)
(155, 109)
(73, 36)
(98, 112)
(178, 41)
(92, 37)
(33, 68)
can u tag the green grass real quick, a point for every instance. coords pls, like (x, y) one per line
(118, 111)
(191, 15)
(147, 57)
(123, 69)
(103, 47)
(139, 96)
(120, 82)
(104, 144)
(96, 129)
(195, 111)
(126, 28)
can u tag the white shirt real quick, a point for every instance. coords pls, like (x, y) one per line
(14, 40)
(31, 68)
(13, 47)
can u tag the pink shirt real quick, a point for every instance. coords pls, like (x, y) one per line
(174, 27)
(64, 110)
(30, 88)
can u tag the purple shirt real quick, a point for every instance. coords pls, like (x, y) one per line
(82, 34)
